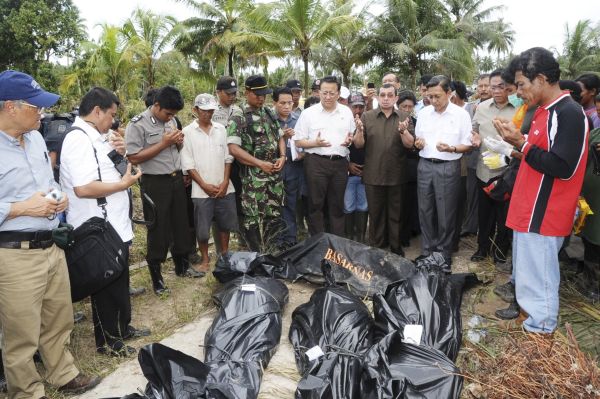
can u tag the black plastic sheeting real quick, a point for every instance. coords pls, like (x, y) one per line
(340, 324)
(430, 299)
(366, 358)
(239, 345)
(365, 270)
(393, 369)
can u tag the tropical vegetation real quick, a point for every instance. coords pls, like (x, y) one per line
(286, 39)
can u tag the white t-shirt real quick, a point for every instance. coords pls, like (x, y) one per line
(453, 127)
(207, 154)
(334, 127)
(78, 167)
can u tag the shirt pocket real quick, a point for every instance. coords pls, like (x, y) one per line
(153, 138)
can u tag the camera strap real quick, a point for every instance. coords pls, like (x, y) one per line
(102, 200)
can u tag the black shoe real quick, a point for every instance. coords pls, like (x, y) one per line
(192, 273)
(506, 292)
(158, 284)
(135, 291)
(123, 351)
(479, 255)
(504, 267)
(78, 317)
(510, 313)
(398, 251)
(134, 333)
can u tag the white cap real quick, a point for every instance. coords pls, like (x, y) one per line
(206, 102)
(344, 92)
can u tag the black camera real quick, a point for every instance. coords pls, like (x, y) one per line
(119, 161)
(115, 125)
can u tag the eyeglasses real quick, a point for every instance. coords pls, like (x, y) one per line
(40, 110)
(497, 88)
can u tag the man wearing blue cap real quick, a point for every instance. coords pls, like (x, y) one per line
(35, 295)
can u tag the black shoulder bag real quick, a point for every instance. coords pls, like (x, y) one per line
(96, 257)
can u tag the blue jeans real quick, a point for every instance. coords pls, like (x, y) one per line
(293, 178)
(355, 199)
(537, 278)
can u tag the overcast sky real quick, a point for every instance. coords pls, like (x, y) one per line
(535, 22)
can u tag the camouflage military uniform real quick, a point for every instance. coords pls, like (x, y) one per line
(262, 194)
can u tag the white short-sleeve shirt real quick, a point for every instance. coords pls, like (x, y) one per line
(78, 167)
(207, 153)
(334, 127)
(453, 127)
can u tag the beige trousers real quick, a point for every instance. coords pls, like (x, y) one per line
(36, 313)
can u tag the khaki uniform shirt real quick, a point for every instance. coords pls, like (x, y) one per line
(385, 155)
(482, 123)
(145, 130)
(223, 114)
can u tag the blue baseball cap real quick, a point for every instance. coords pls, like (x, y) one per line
(16, 85)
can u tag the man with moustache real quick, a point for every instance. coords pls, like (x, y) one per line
(385, 134)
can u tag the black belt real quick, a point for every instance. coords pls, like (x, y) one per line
(172, 174)
(331, 157)
(435, 160)
(36, 239)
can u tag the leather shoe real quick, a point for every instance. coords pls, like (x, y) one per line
(124, 351)
(506, 292)
(80, 384)
(510, 313)
(193, 273)
(135, 291)
(134, 333)
(398, 251)
(479, 255)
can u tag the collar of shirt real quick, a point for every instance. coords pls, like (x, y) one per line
(380, 112)
(495, 104)
(11, 140)
(91, 131)
(290, 118)
(198, 128)
(333, 111)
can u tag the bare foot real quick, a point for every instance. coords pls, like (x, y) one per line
(203, 267)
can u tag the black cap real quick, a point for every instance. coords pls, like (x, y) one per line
(293, 84)
(258, 84)
(227, 84)
(316, 84)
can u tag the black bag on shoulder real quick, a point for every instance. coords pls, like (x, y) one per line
(95, 259)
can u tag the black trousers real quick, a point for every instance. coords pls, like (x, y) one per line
(410, 217)
(171, 227)
(111, 309)
(385, 215)
(492, 225)
(326, 181)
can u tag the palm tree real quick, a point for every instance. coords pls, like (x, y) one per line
(413, 33)
(297, 27)
(210, 35)
(150, 35)
(581, 50)
(112, 60)
(343, 52)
